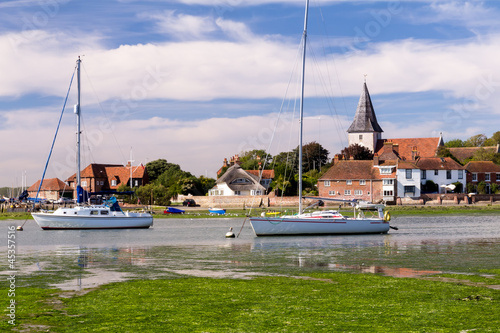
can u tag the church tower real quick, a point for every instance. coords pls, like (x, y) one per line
(365, 130)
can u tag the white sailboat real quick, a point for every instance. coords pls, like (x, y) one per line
(106, 216)
(321, 222)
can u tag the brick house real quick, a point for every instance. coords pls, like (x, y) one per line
(483, 171)
(52, 189)
(104, 177)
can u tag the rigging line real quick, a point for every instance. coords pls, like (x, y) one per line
(55, 136)
(105, 114)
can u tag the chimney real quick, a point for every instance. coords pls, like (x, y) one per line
(128, 164)
(388, 147)
(336, 159)
(225, 163)
(375, 159)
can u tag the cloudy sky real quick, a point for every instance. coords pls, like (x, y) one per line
(197, 81)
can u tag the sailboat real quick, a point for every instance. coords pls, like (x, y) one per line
(368, 217)
(108, 215)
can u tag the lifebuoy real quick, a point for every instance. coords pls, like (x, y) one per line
(387, 216)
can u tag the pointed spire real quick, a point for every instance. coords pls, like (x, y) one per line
(365, 119)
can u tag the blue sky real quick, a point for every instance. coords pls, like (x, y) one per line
(195, 81)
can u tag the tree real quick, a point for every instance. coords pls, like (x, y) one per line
(476, 140)
(496, 137)
(313, 156)
(250, 159)
(156, 168)
(281, 184)
(454, 143)
(357, 152)
(442, 151)
(483, 155)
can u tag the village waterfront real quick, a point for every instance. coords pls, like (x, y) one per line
(181, 273)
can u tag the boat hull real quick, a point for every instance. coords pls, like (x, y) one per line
(50, 221)
(271, 226)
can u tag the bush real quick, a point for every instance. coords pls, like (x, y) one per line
(481, 188)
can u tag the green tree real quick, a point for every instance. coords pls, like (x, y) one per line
(454, 143)
(156, 168)
(496, 137)
(483, 155)
(250, 159)
(481, 188)
(313, 156)
(357, 152)
(281, 185)
(476, 140)
(153, 194)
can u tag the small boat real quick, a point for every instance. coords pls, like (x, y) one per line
(108, 215)
(321, 222)
(217, 211)
(172, 210)
(272, 213)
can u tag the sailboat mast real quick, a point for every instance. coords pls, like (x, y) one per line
(301, 118)
(78, 132)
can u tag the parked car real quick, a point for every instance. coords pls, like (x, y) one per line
(189, 203)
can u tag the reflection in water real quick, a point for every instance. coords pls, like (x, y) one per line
(78, 259)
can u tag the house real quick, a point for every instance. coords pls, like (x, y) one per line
(362, 180)
(104, 177)
(266, 177)
(483, 171)
(52, 189)
(236, 181)
(464, 153)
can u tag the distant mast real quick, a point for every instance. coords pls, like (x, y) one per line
(301, 118)
(78, 132)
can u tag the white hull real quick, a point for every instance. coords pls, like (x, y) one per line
(82, 218)
(269, 226)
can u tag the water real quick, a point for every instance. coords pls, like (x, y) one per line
(77, 259)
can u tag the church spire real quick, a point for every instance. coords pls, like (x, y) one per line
(365, 120)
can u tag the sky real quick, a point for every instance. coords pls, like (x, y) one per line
(197, 81)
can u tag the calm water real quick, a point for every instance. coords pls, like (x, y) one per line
(81, 259)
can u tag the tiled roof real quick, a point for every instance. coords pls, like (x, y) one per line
(111, 172)
(94, 170)
(406, 165)
(482, 166)
(463, 153)
(51, 184)
(410, 147)
(352, 169)
(266, 174)
(438, 163)
(365, 119)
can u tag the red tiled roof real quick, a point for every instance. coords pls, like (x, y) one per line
(438, 163)
(266, 174)
(463, 153)
(352, 169)
(482, 166)
(111, 172)
(410, 147)
(51, 184)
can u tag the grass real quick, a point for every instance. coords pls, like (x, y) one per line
(315, 302)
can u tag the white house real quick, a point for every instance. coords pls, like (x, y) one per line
(408, 179)
(236, 181)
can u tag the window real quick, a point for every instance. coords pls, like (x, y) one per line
(347, 192)
(424, 174)
(498, 177)
(408, 174)
(348, 182)
(385, 171)
(388, 193)
(388, 182)
(136, 182)
(487, 177)
(361, 136)
(84, 183)
(327, 183)
(255, 192)
(94, 212)
(460, 174)
(410, 191)
(331, 192)
(474, 177)
(113, 182)
(448, 174)
(237, 192)
(104, 212)
(362, 182)
(358, 192)
(436, 172)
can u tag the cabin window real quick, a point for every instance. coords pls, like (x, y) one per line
(362, 182)
(474, 177)
(94, 212)
(347, 192)
(448, 174)
(461, 174)
(408, 174)
(327, 183)
(348, 182)
(487, 177)
(424, 174)
(104, 212)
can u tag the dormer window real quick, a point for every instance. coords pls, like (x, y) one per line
(385, 171)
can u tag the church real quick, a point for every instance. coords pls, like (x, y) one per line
(400, 167)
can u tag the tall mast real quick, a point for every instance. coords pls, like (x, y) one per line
(77, 111)
(301, 118)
